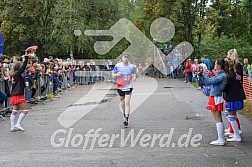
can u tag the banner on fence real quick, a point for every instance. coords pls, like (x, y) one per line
(1, 44)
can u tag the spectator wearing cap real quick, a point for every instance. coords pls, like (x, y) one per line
(188, 70)
(50, 58)
(46, 60)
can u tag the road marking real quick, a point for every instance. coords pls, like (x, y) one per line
(143, 94)
(142, 88)
(74, 113)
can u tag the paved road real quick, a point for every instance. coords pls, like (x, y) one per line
(170, 128)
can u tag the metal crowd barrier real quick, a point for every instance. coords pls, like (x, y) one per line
(107, 76)
(48, 81)
(38, 83)
(70, 76)
(89, 77)
(46, 85)
(64, 84)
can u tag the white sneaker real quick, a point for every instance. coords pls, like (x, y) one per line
(14, 129)
(227, 134)
(227, 130)
(240, 132)
(19, 128)
(217, 143)
(238, 139)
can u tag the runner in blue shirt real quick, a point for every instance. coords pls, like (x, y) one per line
(126, 75)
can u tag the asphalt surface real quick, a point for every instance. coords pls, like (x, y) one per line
(169, 127)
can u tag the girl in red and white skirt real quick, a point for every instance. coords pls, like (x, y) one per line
(17, 94)
(215, 102)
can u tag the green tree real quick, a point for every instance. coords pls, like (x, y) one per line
(50, 24)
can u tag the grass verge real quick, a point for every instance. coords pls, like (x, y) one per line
(247, 111)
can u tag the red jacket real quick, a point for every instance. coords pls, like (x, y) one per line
(188, 67)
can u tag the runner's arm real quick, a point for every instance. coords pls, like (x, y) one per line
(115, 72)
(134, 77)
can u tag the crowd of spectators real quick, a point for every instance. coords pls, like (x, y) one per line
(55, 70)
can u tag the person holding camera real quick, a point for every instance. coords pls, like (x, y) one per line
(216, 101)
